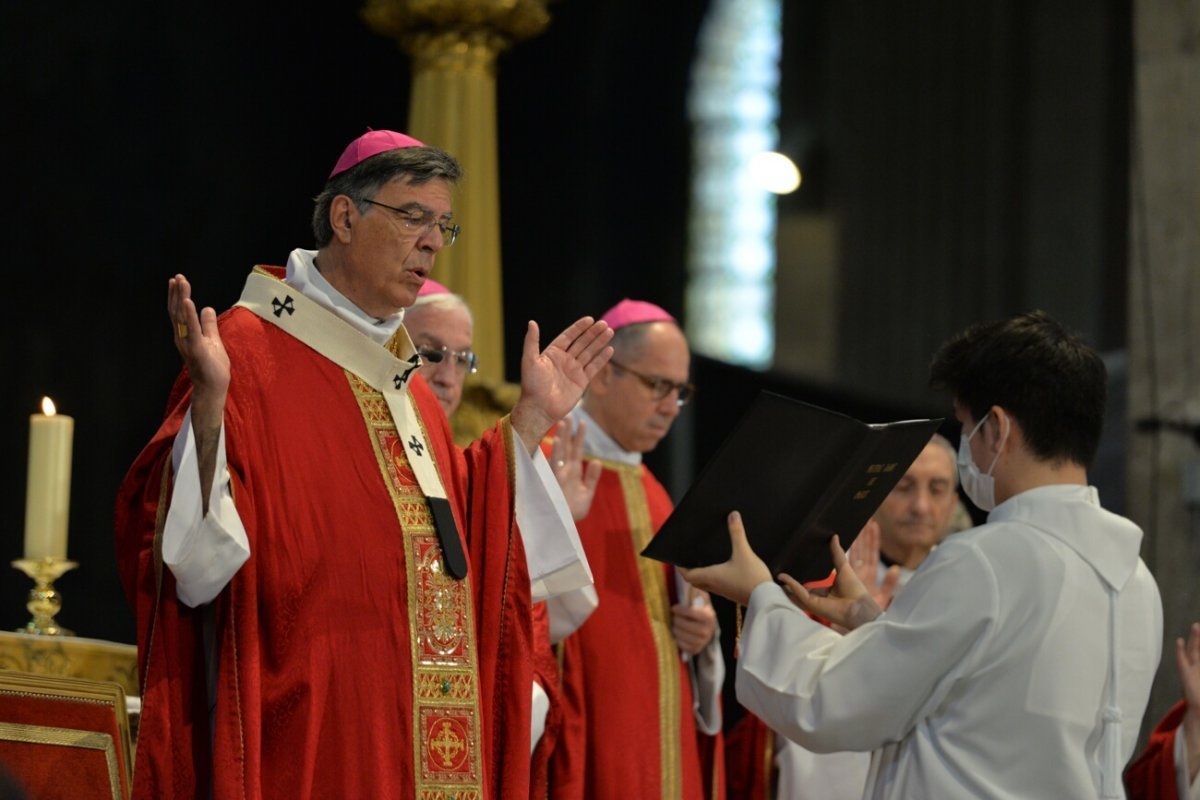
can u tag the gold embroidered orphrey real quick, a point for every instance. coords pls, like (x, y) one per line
(654, 590)
(447, 747)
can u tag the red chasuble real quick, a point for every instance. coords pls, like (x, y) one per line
(630, 730)
(1152, 775)
(749, 759)
(349, 664)
(546, 673)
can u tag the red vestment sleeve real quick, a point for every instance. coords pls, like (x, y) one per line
(545, 671)
(174, 703)
(1151, 776)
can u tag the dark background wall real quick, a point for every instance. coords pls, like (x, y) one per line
(970, 156)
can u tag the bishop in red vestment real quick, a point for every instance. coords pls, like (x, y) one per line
(642, 676)
(345, 609)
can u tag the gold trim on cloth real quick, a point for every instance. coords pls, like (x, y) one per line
(71, 657)
(73, 690)
(447, 746)
(658, 610)
(68, 737)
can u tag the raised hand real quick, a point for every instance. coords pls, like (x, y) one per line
(197, 340)
(864, 560)
(553, 380)
(576, 479)
(847, 605)
(1187, 659)
(199, 344)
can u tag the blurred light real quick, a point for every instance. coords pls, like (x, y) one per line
(733, 105)
(774, 172)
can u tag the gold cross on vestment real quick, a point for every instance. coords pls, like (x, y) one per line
(448, 744)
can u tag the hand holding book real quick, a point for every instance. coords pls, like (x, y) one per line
(738, 577)
(798, 474)
(847, 604)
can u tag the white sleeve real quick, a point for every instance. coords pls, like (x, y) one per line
(555, 555)
(203, 551)
(537, 720)
(832, 776)
(1186, 792)
(570, 610)
(828, 692)
(706, 672)
(708, 676)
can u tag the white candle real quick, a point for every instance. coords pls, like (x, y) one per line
(48, 493)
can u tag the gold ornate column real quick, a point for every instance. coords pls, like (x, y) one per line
(454, 45)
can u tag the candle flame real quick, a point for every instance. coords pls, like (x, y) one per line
(48, 407)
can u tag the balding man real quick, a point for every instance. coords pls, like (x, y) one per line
(642, 676)
(915, 516)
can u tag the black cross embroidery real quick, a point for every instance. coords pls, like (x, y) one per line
(281, 307)
(415, 445)
(414, 362)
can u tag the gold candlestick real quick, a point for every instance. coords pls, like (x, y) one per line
(44, 599)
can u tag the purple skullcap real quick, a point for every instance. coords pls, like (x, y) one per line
(430, 286)
(633, 312)
(372, 143)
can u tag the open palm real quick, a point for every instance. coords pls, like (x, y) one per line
(553, 380)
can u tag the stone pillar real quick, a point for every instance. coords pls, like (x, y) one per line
(454, 45)
(1164, 314)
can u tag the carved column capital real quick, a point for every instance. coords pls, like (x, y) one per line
(425, 26)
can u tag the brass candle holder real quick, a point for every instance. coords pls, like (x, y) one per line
(44, 599)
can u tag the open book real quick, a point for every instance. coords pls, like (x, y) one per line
(798, 474)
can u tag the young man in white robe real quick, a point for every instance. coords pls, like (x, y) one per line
(1017, 662)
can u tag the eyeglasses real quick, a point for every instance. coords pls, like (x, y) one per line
(419, 219)
(661, 387)
(464, 361)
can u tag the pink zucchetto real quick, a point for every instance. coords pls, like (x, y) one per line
(372, 143)
(634, 312)
(430, 286)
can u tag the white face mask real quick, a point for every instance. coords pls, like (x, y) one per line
(979, 487)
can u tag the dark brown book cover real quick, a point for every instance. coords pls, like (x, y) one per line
(798, 473)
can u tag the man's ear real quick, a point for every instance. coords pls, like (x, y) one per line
(343, 214)
(599, 383)
(1001, 422)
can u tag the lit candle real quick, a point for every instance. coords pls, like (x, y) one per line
(48, 493)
